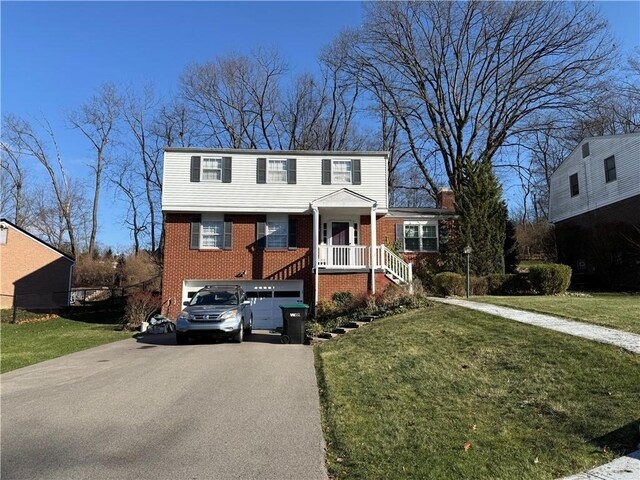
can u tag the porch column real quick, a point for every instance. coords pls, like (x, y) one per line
(316, 238)
(374, 237)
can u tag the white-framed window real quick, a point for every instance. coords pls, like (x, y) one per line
(276, 171)
(420, 237)
(211, 232)
(211, 170)
(341, 171)
(3, 234)
(277, 232)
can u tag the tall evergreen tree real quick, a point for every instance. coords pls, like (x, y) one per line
(483, 217)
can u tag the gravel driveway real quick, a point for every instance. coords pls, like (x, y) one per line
(148, 409)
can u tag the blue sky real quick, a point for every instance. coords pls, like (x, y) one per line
(55, 54)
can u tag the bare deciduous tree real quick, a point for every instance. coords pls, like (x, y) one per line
(466, 77)
(29, 143)
(96, 120)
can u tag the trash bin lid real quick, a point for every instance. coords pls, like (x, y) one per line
(295, 305)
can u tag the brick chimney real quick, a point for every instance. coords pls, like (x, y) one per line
(445, 200)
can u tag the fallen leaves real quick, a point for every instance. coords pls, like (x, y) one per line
(467, 446)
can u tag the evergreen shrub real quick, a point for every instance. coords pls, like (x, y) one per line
(448, 283)
(550, 279)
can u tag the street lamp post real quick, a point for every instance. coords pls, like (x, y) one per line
(467, 251)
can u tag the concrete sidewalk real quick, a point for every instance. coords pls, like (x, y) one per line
(623, 468)
(626, 340)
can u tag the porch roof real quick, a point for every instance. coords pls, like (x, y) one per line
(344, 198)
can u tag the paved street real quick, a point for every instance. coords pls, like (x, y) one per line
(135, 410)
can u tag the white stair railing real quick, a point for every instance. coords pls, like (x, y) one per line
(394, 265)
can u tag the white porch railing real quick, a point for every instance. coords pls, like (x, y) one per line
(344, 257)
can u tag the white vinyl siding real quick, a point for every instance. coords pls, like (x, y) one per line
(595, 191)
(245, 195)
(276, 171)
(211, 169)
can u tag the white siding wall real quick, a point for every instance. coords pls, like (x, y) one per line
(595, 192)
(243, 194)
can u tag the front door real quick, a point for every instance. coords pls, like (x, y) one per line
(340, 237)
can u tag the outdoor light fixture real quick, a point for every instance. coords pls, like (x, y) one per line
(467, 251)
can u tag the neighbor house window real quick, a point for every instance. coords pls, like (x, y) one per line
(420, 238)
(212, 169)
(573, 185)
(3, 234)
(610, 169)
(341, 171)
(211, 234)
(585, 150)
(277, 234)
(277, 171)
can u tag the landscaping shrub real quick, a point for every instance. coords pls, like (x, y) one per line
(550, 279)
(449, 283)
(508, 284)
(479, 285)
(140, 306)
(313, 329)
(342, 299)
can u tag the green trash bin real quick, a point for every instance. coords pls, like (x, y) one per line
(294, 316)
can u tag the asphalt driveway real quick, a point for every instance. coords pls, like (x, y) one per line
(154, 410)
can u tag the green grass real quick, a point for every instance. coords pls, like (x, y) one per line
(612, 310)
(29, 343)
(402, 396)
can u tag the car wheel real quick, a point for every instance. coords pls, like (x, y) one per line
(240, 335)
(182, 338)
(250, 328)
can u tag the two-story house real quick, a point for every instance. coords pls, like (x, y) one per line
(595, 206)
(289, 226)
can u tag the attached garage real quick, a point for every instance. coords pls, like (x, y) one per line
(265, 297)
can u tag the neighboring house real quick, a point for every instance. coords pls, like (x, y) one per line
(34, 275)
(595, 206)
(289, 226)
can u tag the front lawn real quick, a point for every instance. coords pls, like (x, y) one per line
(614, 310)
(29, 343)
(451, 393)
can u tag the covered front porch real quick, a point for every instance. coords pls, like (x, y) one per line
(342, 244)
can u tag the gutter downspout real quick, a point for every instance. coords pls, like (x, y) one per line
(374, 238)
(316, 234)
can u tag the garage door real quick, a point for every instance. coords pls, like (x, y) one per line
(265, 297)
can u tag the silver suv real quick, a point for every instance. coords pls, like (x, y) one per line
(220, 310)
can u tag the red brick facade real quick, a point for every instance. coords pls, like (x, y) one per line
(182, 263)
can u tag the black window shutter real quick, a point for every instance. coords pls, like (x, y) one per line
(291, 170)
(356, 176)
(195, 236)
(228, 239)
(400, 236)
(326, 171)
(195, 169)
(293, 233)
(226, 169)
(261, 234)
(261, 172)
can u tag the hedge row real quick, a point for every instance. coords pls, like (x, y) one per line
(549, 279)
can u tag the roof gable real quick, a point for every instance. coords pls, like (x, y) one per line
(343, 198)
(36, 239)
